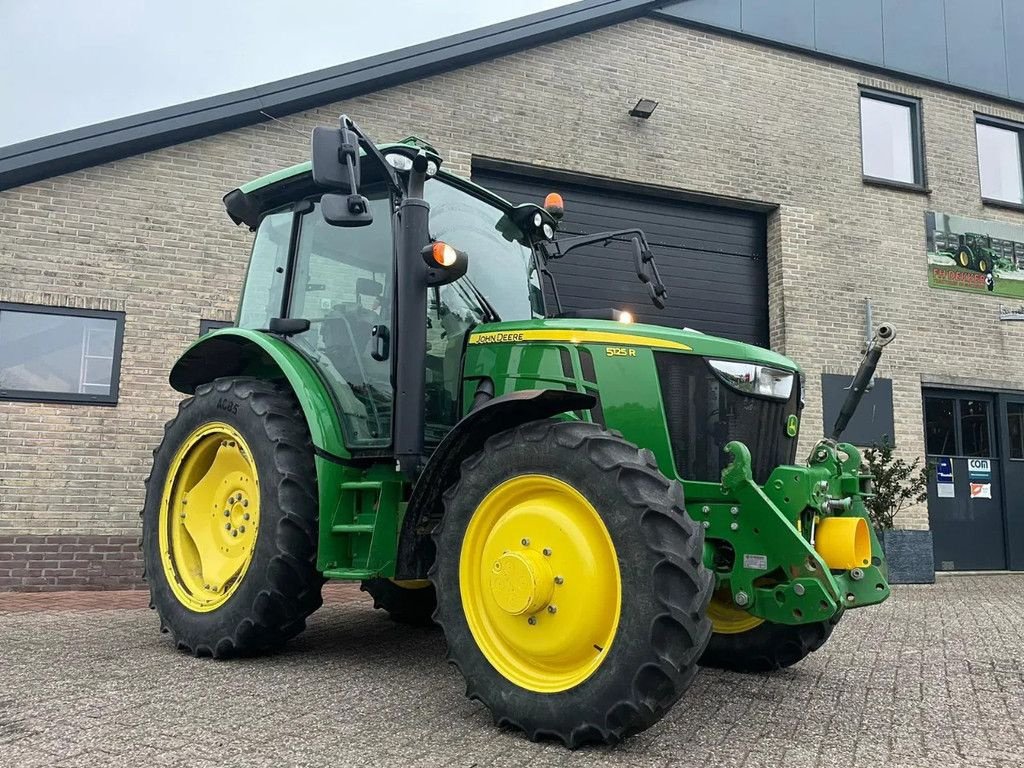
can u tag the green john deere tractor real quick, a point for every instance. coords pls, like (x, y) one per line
(975, 252)
(589, 508)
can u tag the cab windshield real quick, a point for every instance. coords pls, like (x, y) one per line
(501, 263)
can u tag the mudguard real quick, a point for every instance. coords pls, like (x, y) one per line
(415, 545)
(243, 352)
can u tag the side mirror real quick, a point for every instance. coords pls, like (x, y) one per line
(648, 273)
(336, 166)
(346, 210)
(335, 155)
(444, 264)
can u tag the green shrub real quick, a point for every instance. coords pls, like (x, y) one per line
(896, 484)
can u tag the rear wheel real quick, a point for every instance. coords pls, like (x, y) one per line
(744, 643)
(551, 634)
(407, 602)
(230, 520)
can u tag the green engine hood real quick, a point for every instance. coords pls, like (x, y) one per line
(615, 333)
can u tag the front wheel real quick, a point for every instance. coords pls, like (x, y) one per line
(744, 643)
(229, 527)
(570, 581)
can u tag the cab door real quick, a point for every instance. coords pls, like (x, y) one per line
(965, 491)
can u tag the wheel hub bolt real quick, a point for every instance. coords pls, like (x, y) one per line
(227, 526)
(559, 580)
(182, 515)
(245, 502)
(241, 529)
(234, 533)
(552, 609)
(532, 620)
(741, 598)
(245, 516)
(227, 513)
(525, 542)
(547, 552)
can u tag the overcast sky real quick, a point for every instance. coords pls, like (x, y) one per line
(69, 63)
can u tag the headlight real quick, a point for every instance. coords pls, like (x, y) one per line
(754, 379)
(399, 161)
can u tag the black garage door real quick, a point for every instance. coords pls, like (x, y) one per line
(712, 259)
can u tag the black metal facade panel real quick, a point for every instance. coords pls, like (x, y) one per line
(712, 259)
(972, 45)
(872, 423)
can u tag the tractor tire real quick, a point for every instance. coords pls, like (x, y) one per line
(406, 602)
(570, 583)
(235, 572)
(766, 647)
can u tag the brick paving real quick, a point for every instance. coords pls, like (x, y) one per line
(933, 677)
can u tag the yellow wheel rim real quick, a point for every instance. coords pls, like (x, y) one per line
(983, 266)
(965, 258)
(726, 618)
(540, 583)
(411, 583)
(209, 516)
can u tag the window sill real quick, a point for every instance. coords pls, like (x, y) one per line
(54, 398)
(1010, 206)
(920, 189)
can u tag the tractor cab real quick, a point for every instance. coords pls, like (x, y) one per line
(341, 279)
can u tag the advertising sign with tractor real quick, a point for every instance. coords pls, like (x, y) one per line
(975, 255)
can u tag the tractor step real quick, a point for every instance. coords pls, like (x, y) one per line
(349, 574)
(352, 528)
(360, 540)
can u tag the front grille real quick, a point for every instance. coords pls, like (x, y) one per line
(704, 414)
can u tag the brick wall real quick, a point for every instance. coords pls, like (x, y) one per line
(44, 563)
(148, 235)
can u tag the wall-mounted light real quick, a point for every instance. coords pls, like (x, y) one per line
(644, 108)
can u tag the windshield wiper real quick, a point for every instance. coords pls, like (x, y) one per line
(488, 308)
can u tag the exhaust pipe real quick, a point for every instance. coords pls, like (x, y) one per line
(883, 336)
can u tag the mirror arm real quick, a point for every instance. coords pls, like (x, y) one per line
(390, 175)
(545, 272)
(557, 249)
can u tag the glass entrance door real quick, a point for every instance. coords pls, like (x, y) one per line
(965, 491)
